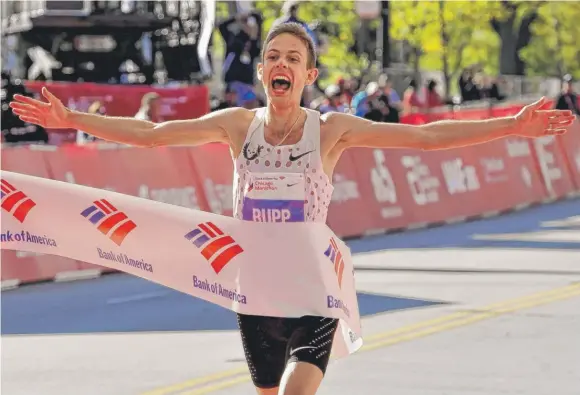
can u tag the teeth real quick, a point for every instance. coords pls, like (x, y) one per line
(281, 77)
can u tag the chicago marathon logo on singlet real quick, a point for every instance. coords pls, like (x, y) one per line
(274, 198)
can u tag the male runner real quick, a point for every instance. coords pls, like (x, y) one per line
(289, 355)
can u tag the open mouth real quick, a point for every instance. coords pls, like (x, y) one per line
(280, 84)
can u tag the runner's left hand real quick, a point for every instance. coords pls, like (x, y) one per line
(537, 120)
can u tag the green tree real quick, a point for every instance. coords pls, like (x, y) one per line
(413, 22)
(448, 35)
(338, 16)
(465, 37)
(513, 28)
(342, 21)
(218, 46)
(554, 49)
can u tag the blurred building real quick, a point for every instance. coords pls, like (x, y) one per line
(131, 42)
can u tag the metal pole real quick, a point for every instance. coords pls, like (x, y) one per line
(386, 47)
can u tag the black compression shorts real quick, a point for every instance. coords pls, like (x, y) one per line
(270, 343)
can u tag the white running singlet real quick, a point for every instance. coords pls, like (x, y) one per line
(286, 183)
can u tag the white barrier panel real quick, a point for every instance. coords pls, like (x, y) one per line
(270, 269)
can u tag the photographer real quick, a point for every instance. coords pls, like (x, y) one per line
(568, 99)
(242, 36)
(290, 14)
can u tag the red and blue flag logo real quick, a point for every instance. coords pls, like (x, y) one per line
(109, 220)
(216, 247)
(335, 257)
(15, 201)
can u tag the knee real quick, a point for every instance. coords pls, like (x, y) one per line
(267, 391)
(296, 390)
(300, 378)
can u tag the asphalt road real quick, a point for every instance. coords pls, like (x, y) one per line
(438, 307)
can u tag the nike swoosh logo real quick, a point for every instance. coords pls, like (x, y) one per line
(293, 158)
(300, 348)
(291, 185)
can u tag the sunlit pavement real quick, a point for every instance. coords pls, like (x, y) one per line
(486, 307)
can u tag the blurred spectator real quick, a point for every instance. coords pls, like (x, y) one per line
(380, 110)
(387, 90)
(230, 99)
(150, 106)
(432, 98)
(568, 100)
(411, 101)
(360, 101)
(490, 89)
(290, 14)
(242, 38)
(467, 86)
(333, 100)
(250, 101)
(95, 108)
(346, 90)
(390, 112)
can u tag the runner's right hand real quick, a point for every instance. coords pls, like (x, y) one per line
(51, 115)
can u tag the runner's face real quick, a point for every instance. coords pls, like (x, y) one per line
(285, 72)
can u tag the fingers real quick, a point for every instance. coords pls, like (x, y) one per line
(556, 131)
(24, 113)
(18, 111)
(559, 116)
(21, 106)
(556, 113)
(36, 103)
(538, 104)
(30, 101)
(562, 120)
(24, 110)
(31, 120)
(567, 122)
(49, 96)
(560, 126)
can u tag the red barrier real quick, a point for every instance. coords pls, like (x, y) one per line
(26, 160)
(506, 172)
(374, 189)
(213, 166)
(162, 174)
(125, 100)
(570, 144)
(24, 266)
(401, 187)
(438, 114)
(384, 189)
(348, 215)
(553, 166)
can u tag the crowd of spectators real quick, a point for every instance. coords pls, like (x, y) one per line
(375, 100)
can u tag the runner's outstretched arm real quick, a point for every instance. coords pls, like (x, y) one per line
(533, 120)
(54, 115)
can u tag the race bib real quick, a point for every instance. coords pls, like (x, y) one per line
(274, 198)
